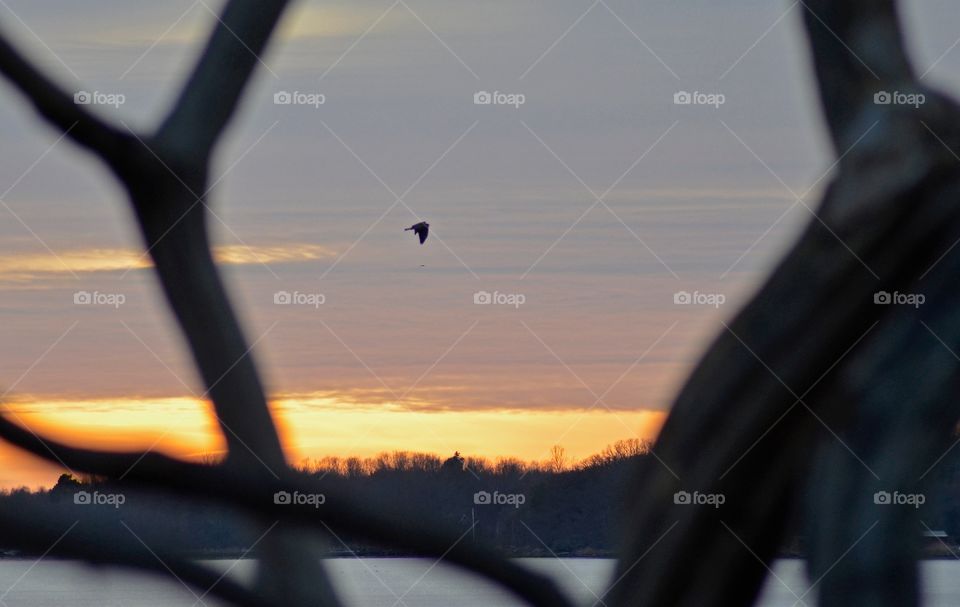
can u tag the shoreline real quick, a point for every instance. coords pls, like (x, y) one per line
(342, 555)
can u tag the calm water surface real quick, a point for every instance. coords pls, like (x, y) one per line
(382, 583)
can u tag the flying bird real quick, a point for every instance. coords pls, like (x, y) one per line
(420, 229)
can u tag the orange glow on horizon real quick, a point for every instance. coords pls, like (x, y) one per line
(315, 426)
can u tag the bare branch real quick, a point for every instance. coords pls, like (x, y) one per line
(902, 429)
(40, 532)
(167, 179)
(59, 109)
(213, 91)
(237, 488)
(858, 50)
(743, 423)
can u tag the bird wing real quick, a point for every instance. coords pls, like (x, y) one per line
(423, 233)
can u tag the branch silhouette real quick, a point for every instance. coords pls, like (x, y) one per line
(233, 486)
(166, 175)
(36, 532)
(793, 369)
(802, 364)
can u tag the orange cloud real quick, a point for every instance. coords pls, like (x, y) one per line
(29, 266)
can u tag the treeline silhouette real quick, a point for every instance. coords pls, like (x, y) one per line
(407, 461)
(524, 508)
(554, 507)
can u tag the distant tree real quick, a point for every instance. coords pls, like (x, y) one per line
(558, 459)
(355, 467)
(510, 466)
(66, 484)
(400, 460)
(211, 459)
(478, 465)
(424, 462)
(453, 464)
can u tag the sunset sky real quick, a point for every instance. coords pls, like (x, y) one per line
(596, 200)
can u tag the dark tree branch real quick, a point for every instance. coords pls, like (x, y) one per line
(857, 50)
(58, 108)
(43, 533)
(173, 223)
(214, 90)
(236, 488)
(902, 388)
(753, 385)
(742, 423)
(166, 176)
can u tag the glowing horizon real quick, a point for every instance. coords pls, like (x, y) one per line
(313, 427)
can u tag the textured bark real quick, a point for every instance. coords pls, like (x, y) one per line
(812, 356)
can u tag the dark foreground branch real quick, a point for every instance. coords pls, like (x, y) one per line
(255, 495)
(166, 175)
(46, 534)
(60, 110)
(213, 92)
(744, 422)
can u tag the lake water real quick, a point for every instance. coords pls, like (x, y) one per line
(382, 583)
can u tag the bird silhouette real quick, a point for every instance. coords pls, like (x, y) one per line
(420, 229)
